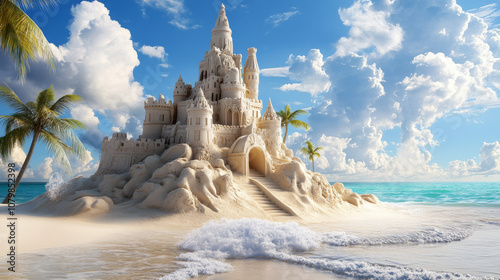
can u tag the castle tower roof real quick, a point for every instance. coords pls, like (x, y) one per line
(200, 101)
(222, 23)
(180, 79)
(251, 63)
(270, 114)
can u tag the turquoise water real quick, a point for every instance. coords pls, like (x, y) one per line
(450, 194)
(26, 191)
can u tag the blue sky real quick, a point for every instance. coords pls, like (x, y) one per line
(395, 90)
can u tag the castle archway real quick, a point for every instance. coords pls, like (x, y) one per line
(257, 160)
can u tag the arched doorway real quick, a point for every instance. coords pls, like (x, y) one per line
(257, 160)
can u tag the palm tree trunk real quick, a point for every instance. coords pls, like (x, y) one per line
(313, 164)
(286, 132)
(23, 168)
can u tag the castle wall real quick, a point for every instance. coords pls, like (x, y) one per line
(225, 135)
(118, 154)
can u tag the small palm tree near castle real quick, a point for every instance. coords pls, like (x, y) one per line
(311, 152)
(289, 117)
(40, 120)
(20, 36)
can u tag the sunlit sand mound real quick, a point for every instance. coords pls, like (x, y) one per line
(182, 180)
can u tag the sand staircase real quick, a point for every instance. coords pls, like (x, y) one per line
(260, 197)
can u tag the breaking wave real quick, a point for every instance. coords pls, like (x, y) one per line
(217, 241)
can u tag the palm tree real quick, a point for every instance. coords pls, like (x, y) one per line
(20, 36)
(41, 120)
(311, 152)
(288, 117)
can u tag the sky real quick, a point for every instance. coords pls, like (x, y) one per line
(394, 90)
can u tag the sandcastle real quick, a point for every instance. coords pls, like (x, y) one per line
(208, 150)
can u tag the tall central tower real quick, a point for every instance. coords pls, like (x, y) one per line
(221, 34)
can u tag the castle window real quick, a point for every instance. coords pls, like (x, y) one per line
(149, 116)
(122, 144)
(197, 135)
(158, 145)
(206, 121)
(162, 117)
(137, 144)
(197, 121)
(215, 84)
(190, 121)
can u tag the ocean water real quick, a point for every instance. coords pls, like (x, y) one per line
(25, 191)
(441, 231)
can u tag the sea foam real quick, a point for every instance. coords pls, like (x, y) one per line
(55, 186)
(249, 238)
(426, 236)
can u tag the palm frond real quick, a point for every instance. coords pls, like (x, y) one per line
(300, 124)
(12, 100)
(60, 150)
(297, 113)
(9, 140)
(21, 37)
(32, 3)
(45, 99)
(63, 103)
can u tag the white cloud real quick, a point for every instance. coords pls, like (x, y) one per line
(97, 63)
(275, 72)
(279, 18)
(44, 170)
(488, 13)
(446, 64)
(369, 28)
(174, 8)
(153, 51)
(308, 70)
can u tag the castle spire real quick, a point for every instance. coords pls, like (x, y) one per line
(270, 114)
(221, 33)
(251, 77)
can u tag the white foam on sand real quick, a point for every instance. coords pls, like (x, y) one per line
(425, 236)
(253, 238)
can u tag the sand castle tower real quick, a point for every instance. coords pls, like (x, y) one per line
(251, 74)
(221, 33)
(158, 113)
(180, 91)
(199, 117)
(270, 123)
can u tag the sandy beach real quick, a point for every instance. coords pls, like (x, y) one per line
(145, 245)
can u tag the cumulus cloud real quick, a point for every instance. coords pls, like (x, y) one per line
(153, 51)
(279, 18)
(97, 63)
(369, 28)
(175, 9)
(307, 70)
(401, 67)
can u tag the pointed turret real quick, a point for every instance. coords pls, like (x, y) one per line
(221, 34)
(271, 123)
(200, 101)
(251, 74)
(270, 114)
(180, 91)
